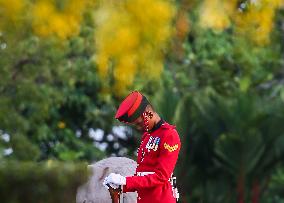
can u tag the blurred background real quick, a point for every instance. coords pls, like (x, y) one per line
(214, 68)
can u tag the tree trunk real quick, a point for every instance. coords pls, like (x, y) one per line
(240, 189)
(255, 192)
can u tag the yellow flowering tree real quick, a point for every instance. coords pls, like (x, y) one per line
(256, 20)
(47, 18)
(131, 37)
(59, 19)
(11, 14)
(252, 19)
(216, 14)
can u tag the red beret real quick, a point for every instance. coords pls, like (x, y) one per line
(131, 107)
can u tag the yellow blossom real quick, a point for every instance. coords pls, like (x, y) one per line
(256, 22)
(216, 14)
(61, 125)
(10, 12)
(130, 37)
(49, 20)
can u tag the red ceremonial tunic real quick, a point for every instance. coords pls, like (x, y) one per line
(157, 157)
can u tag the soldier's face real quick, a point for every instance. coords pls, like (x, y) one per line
(139, 124)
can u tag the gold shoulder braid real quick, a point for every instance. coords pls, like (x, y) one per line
(171, 148)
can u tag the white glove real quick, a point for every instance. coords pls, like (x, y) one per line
(114, 186)
(115, 179)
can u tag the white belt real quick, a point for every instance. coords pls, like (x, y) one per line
(144, 173)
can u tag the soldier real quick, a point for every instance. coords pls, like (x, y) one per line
(157, 154)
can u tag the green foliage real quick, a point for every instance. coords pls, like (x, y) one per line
(47, 182)
(49, 96)
(229, 141)
(275, 192)
(226, 63)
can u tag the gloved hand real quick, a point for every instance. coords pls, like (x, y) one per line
(106, 185)
(114, 179)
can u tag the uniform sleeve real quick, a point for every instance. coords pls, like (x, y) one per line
(169, 150)
(126, 188)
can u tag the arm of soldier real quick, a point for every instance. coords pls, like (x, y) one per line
(125, 188)
(169, 151)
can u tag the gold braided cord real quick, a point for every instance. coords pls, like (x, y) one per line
(171, 148)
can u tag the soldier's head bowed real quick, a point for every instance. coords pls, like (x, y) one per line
(136, 110)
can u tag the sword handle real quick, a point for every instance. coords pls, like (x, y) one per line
(114, 193)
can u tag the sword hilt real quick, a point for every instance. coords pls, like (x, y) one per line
(114, 193)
